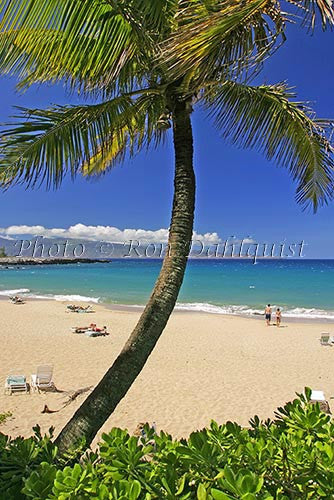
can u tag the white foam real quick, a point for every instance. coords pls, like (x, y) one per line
(297, 312)
(302, 312)
(214, 309)
(16, 291)
(240, 310)
(76, 298)
(66, 298)
(63, 298)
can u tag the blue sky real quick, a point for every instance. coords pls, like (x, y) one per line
(238, 192)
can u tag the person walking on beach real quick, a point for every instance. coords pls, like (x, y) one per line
(278, 317)
(267, 313)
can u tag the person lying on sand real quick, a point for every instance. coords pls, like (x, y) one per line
(96, 329)
(77, 309)
(91, 328)
(17, 300)
(80, 329)
(83, 329)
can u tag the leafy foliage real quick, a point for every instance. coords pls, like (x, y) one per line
(137, 59)
(65, 40)
(218, 40)
(266, 118)
(289, 457)
(90, 138)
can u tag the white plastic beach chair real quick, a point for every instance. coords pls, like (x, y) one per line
(317, 396)
(43, 378)
(16, 383)
(326, 339)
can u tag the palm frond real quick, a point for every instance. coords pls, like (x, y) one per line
(77, 139)
(221, 39)
(265, 118)
(313, 8)
(156, 18)
(87, 42)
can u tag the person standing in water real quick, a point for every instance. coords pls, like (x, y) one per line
(278, 317)
(267, 313)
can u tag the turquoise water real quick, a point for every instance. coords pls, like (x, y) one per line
(303, 288)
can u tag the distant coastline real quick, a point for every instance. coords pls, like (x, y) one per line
(34, 261)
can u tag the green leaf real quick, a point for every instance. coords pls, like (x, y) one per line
(219, 495)
(201, 492)
(135, 490)
(181, 485)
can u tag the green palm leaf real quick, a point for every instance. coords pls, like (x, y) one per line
(312, 8)
(44, 40)
(156, 18)
(78, 139)
(264, 118)
(226, 39)
(221, 39)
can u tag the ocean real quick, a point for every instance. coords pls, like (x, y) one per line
(302, 288)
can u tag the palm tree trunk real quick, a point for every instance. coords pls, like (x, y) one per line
(99, 405)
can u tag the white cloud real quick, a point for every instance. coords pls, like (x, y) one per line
(102, 233)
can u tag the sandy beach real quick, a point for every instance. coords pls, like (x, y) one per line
(204, 367)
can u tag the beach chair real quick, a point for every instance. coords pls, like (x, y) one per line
(43, 378)
(16, 383)
(319, 397)
(326, 339)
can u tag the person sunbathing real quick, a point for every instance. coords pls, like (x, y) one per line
(80, 329)
(95, 329)
(71, 307)
(77, 309)
(100, 330)
(17, 300)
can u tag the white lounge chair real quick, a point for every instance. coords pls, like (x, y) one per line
(16, 383)
(319, 397)
(43, 378)
(326, 339)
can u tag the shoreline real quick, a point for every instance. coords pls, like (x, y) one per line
(257, 317)
(135, 308)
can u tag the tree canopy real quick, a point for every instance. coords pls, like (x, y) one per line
(135, 58)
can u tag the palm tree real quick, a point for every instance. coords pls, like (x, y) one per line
(147, 64)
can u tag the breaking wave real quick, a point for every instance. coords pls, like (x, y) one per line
(243, 310)
(25, 292)
(237, 310)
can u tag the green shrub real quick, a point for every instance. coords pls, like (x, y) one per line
(290, 457)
